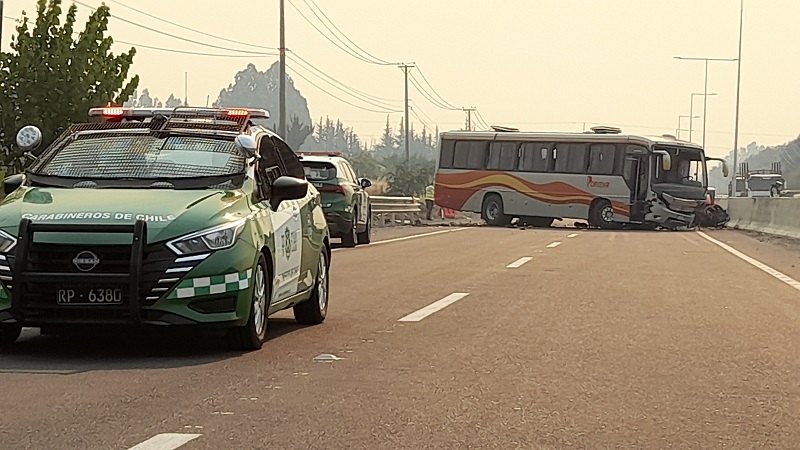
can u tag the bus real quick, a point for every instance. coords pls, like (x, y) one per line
(610, 179)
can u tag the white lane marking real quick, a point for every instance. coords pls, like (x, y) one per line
(519, 262)
(420, 314)
(405, 238)
(165, 441)
(785, 278)
(572, 235)
(553, 244)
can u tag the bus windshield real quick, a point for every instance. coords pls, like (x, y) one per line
(688, 168)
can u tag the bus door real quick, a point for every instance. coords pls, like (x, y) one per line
(635, 174)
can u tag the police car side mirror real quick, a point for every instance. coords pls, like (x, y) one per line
(12, 183)
(29, 138)
(246, 145)
(364, 183)
(287, 188)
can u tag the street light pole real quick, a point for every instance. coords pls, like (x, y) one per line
(679, 123)
(705, 90)
(738, 90)
(691, 113)
(705, 105)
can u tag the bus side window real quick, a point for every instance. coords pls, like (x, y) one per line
(570, 158)
(601, 159)
(503, 156)
(471, 154)
(535, 157)
(446, 156)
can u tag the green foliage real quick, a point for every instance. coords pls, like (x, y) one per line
(254, 89)
(411, 177)
(51, 78)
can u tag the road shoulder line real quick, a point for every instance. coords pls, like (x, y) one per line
(405, 238)
(758, 264)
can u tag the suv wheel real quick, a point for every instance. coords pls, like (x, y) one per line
(350, 238)
(366, 236)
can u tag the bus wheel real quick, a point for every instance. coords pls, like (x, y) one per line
(492, 211)
(601, 214)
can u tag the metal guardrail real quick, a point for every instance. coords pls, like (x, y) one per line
(392, 211)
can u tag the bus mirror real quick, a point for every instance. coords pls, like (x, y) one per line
(725, 171)
(666, 159)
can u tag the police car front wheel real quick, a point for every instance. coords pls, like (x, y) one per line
(253, 335)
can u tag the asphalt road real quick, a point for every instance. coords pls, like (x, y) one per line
(459, 338)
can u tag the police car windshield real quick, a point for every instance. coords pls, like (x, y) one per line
(144, 157)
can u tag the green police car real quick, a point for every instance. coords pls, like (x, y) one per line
(344, 197)
(190, 217)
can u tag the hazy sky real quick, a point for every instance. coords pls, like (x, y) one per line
(534, 64)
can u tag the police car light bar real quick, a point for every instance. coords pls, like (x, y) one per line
(114, 112)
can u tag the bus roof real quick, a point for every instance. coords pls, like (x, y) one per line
(572, 136)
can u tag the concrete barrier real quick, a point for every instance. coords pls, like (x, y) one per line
(778, 215)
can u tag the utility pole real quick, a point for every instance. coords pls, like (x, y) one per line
(1, 24)
(282, 101)
(186, 88)
(738, 90)
(469, 112)
(406, 68)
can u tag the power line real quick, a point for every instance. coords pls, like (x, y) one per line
(423, 112)
(153, 16)
(349, 52)
(428, 96)
(339, 98)
(345, 88)
(175, 36)
(371, 97)
(481, 121)
(382, 61)
(445, 102)
(187, 52)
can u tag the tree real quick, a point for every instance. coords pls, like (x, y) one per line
(411, 177)
(173, 102)
(47, 63)
(255, 89)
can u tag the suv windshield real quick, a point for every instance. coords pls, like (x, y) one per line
(144, 157)
(319, 171)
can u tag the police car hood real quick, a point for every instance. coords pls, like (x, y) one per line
(168, 213)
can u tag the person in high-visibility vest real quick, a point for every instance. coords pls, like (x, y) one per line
(429, 201)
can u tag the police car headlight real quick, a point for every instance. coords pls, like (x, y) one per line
(208, 240)
(7, 242)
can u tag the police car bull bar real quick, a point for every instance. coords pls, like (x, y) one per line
(22, 275)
